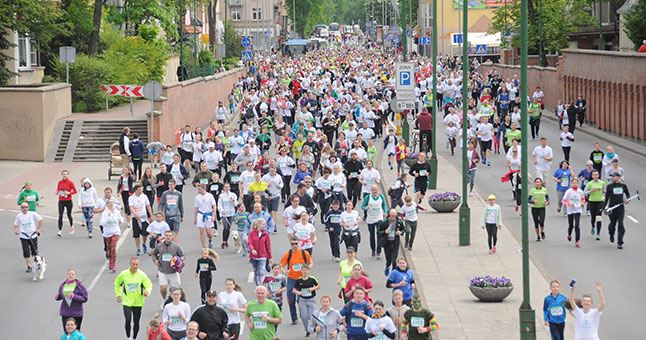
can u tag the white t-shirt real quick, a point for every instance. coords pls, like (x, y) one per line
(158, 228)
(487, 128)
(285, 164)
(176, 171)
(138, 205)
(541, 163)
(212, 159)
(204, 203)
(325, 183)
(410, 212)
(227, 203)
(361, 153)
(234, 299)
(304, 232)
(351, 219)
(27, 224)
(110, 221)
(171, 312)
(514, 163)
(338, 182)
(586, 326)
(292, 215)
(564, 139)
(274, 184)
(370, 177)
(246, 177)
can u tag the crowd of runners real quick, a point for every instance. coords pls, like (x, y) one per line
(295, 150)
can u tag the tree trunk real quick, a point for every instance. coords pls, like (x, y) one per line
(96, 20)
(211, 16)
(533, 18)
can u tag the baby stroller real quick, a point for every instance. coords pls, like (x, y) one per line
(117, 161)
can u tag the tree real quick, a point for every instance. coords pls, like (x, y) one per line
(635, 24)
(36, 18)
(559, 18)
(232, 40)
(96, 20)
(309, 13)
(137, 12)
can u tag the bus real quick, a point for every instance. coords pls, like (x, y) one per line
(296, 47)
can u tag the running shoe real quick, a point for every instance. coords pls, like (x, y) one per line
(612, 238)
(490, 251)
(210, 244)
(598, 238)
(386, 271)
(89, 235)
(294, 322)
(516, 209)
(620, 246)
(410, 248)
(28, 269)
(145, 248)
(578, 245)
(307, 334)
(337, 259)
(138, 252)
(488, 163)
(592, 231)
(59, 234)
(215, 233)
(538, 238)
(71, 230)
(222, 245)
(569, 237)
(471, 193)
(494, 249)
(543, 235)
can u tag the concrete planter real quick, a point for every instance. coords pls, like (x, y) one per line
(491, 294)
(444, 206)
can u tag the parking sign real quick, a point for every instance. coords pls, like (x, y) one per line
(405, 77)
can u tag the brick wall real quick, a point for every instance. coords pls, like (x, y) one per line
(192, 102)
(613, 84)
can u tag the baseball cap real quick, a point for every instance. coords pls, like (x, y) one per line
(491, 197)
(211, 145)
(350, 249)
(616, 173)
(211, 292)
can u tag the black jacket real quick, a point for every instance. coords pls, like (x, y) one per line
(212, 320)
(385, 224)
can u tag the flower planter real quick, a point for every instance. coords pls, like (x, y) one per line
(491, 294)
(444, 206)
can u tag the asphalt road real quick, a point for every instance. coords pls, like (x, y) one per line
(32, 303)
(622, 272)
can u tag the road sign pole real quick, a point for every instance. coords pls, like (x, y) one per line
(465, 211)
(106, 103)
(432, 183)
(132, 106)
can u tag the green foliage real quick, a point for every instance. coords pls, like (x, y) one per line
(87, 75)
(232, 40)
(206, 58)
(136, 61)
(635, 24)
(138, 12)
(559, 18)
(148, 32)
(309, 13)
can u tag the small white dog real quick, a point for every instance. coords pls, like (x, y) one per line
(39, 267)
(236, 241)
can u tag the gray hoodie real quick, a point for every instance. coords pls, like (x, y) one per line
(333, 320)
(171, 204)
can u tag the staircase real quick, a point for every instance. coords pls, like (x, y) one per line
(96, 137)
(65, 138)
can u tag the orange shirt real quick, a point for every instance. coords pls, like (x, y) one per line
(295, 263)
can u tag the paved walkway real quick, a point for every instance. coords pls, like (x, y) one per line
(443, 269)
(121, 112)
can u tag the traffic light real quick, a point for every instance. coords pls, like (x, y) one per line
(416, 39)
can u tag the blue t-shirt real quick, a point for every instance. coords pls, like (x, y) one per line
(564, 175)
(554, 308)
(587, 175)
(356, 325)
(396, 276)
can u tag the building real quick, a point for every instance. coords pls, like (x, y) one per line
(26, 60)
(258, 19)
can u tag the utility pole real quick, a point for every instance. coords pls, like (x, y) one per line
(432, 183)
(465, 211)
(181, 41)
(526, 313)
(601, 25)
(405, 127)
(540, 27)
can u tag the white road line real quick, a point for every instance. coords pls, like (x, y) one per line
(250, 277)
(105, 264)
(241, 328)
(44, 216)
(632, 219)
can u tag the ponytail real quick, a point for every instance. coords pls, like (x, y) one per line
(213, 254)
(155, 321)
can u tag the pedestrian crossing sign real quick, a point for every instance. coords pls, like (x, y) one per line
(481, 49)
(246, 55)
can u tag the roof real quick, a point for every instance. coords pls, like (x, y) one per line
(626, 7)
(482, 25)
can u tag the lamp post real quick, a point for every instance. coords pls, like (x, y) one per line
(432, 183)
(181, 40)
(600, 25)
(465, 211)
(526, 313)
(540, 27)
(195, 60)
(405, 127)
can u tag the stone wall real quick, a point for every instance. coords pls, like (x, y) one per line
(28, 115)
(192, 102)
(613, 84)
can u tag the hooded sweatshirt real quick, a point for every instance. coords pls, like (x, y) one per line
(87, 198)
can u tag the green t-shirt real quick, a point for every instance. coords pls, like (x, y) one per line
(68, 288)
(262, 330)
(346, 271)
(29, 196)
(372, 153)
(511, 135)
(538, 195)
(414, 319)
(596, 196)
(535, 110)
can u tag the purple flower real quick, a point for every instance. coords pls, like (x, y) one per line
(444, 196)
(490, 282)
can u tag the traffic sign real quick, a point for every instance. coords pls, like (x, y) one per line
(456, 38)
(405, 77)
(152, 90)
(481, 49)
(406, 96)
(401, 106)
(246, 56)
(113, 90)
(246, 42)
(133, 91)
(424, 40)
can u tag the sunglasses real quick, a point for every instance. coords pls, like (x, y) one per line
(294, 244)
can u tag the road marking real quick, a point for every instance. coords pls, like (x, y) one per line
(632, 219)
(241, 329)
(105, 264)
(44, 216)
(250, 277)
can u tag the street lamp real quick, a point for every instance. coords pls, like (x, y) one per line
(526, 313)
(465, 211)
(432, 183)
(405, 127)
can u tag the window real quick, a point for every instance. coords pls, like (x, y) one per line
(256, 14)
(27, 52)
(235, 15)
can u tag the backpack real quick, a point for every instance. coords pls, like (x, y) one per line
(349, 312)
(289, 257)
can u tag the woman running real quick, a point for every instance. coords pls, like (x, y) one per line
(350, 222)
(562, 177)
(491, 221)
(574, 199)
(594, 190)
(233, 303)
(539, 199)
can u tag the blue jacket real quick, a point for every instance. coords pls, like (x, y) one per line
(396, 276)
(271, 226)
(76, 335)
(363, 308)
(554, 308)
(137, 149)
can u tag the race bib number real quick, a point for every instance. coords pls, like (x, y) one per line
(349, 220)
(411, 213)
(187, 146)
(370, 181)
(204, 180)
(214, 187)
(204, 267)
(375, 211)
(297, 266)
(337, 185)
(417, 321)
(259, 324)
(556, 310)
(149, 188)
(210, 164)
(306, 292)
(235, 179)
(356, 322)
(112, 223)
(31, 198)
(140, 211)
(175, 320)
(274, 286)
(597, 158)
(618, 191)
(422, 172)
(379, 336)
(335, 218)
(172, 202)
(326, 184)
(166, 257)
(282, 163)
(132, 287)
(565, 181)
(354, 174)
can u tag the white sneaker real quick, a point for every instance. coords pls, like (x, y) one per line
(59, 234)
(471, 193)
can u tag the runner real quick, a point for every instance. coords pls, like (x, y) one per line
(140, 205)
(615, 192)
(355, 314)
(30, 196)
(420, 170)
(233, 303)
(566, 138)
(171, 204)
(293, 260)
(492, 221)
(176, 315)
(64, 190)
(554, 306)
(574, 199)
(204, 215)
(595, 190)
(359, 279)
(110, 220)
(326, 321)
(305, 233)
(473, 159)
(542, 157)
(227, 207)
(396, 312)
(164, 255)
(211, 318)
(28, 225)
(374, 207)
(179, 173)
(596, 156)
(262, 316)
(388, 232)
(409, 210)
(131, 287)
(485, 135)
(539, 199)
(305, 287)
(380, 324)
(418, 321)
(562, 176)
(259, 249)
(87, 200)
(350, 222)
(586, 325)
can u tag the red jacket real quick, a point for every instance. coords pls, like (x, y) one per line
(65, 185)
(262, 244)
(642, 49)
(161, 334)
(424, 121)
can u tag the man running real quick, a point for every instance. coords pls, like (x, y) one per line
(420, 170)
(293, 260)
(162, 255)
(542, 157)
(140, 205)
(615, 192)
(211, 319)
(204, 215)
(30, 196)
(171, 205)
(131, 287)
(262, 316)
(28, 225)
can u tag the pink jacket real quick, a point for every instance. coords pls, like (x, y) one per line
(261, 244)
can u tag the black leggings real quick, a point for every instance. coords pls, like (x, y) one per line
(566, 152)
(534, 125)
(352, 240)
(573, 223)
(234, 331)
(538, 214)
(129, 313)
(136, 165)
(595, 210)
(226, 227)
(205, 285)
(492, 234)
(354, 191)
(78, 320)
(125, 196)
(286, 190)
(62, 205)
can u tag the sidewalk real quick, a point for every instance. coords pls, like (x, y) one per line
(443, 269)
(121, 112)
